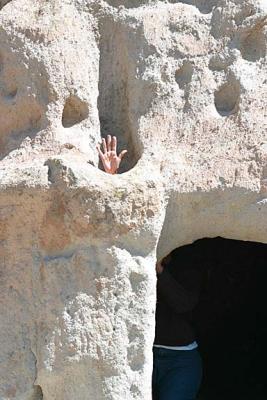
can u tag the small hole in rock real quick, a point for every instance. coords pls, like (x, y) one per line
(116, 308)
(204, 6)
(11, 94)
(134, 389)
(218, 63)
(253, 45)
(126, 3)
(38, 393)
(184, 74)
(227, 98)
(75, 111)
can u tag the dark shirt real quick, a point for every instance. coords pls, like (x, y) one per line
(178, 292)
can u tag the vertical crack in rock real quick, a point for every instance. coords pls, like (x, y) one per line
(74, 112)
(116, 70)
(227, 98)
(37, 393)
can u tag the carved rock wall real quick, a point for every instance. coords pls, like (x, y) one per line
(183, 86)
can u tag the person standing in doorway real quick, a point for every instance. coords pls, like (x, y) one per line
(177, 369)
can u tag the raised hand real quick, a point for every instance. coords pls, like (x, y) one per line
(108, 156)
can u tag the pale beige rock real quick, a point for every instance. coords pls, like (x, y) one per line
(183, 86)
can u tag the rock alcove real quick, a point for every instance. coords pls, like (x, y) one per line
(117, 114)
(227, 98)
(231, 317)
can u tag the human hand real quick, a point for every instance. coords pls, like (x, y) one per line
(108, 156)
(159, 267)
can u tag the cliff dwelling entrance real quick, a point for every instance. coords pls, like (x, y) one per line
(231, 317)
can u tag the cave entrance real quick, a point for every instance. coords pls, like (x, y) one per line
(231, 317)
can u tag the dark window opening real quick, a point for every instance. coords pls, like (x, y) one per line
(231, 317)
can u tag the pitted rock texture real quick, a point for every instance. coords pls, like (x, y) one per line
(183, 86)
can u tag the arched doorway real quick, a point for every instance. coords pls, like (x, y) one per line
(231, 317)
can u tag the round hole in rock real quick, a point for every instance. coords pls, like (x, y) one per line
(219, 62)
(230, 319)
(184, 74)
(3, 3)
(75, 111)
(227, 98)
(253, 45)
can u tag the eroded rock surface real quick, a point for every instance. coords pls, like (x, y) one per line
(183, 86)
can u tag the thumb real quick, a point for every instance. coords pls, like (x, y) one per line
(122, 154)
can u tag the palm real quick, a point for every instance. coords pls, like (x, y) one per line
(108, 156)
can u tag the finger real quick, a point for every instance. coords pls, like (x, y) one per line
(109, 142)
(122, 154)
(114, 144)
(100, 152)
(104, 144)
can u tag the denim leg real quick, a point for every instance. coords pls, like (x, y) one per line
(155, 377)
(177, 374)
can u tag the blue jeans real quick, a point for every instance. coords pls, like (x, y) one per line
(177, 374)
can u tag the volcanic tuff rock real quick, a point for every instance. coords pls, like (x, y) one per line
(183, 86)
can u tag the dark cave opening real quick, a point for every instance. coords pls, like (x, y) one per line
(230, 319)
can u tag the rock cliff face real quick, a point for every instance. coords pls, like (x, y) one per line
(183, 86)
